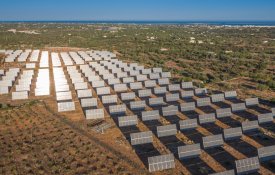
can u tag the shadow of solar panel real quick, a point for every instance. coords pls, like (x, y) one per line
(174, 87)
(188, 124)
(128, 96)
(167, 130)
(150, 115)
(266, 153)
(109, 99)
(169, 110)
(160, 90)
(127, 121)
(136, 85)
(20, 95)
(232, 133)
(65, 106)
(144, 93)
(187, 94)
(137, 105)
(88, 102)
(217, 97)
(265, 118)
(162, 162)
(248, 165)
(163, 81)
(212, 141)
(117, 109)
(207, 118)
(172, 97)
(156, 101)
(150, 83)
(141, 138)
(228, 172)
(165, 74)
(189, 151)
(248, 126)
(187, 85)
(230, 94)
(103, 90)
(238, 107)
(184, 107)
(203, 101)
(251, 101)
(200, 91)
(84, 93)
(223, 112)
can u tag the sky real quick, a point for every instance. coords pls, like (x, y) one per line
(168, 10)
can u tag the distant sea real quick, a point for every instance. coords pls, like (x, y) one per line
(214, 23)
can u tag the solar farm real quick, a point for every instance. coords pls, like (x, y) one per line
(171, 127)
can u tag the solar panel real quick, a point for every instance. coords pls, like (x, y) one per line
(238, 107)
(141, 77)
(189, 151)
(157, 70)
(128, 80)
(150, 83)
(188, 124)
(136, 85)
(265, 118)
(88, 102)
(217, 97)
(62, 96)
(248, 126)
(22, 87)
(144, 93)
(266, 153)
(232, 133)
(22, 95)
(230, 94)
(162, 162)
(156, 101)
(154, 76)
(117, 109)
(165, 74)
(127, 121)
(128, 96)
(169, 110)
(200, 91)
(121, 75)
(103, 90)
(113, 81)
(65, 106)
(228, 172)
(150, 115)
(212, 141)
(273, 111)
(84, 93)
(203, 101)
(146, 71)
(109, 99)
(223, 112)
(167, 130)
(163, 81)
(251, 101)
(187, 85)
(94, 114)
(160, 90)
(4, 89)
(207, 118)
(172, 97)
(30, 65)
(248, 165)
(190, 106)
(187, 94)
(137, 105)
(174, 87)
(141, 138)
(92, 78)
(97, 84)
